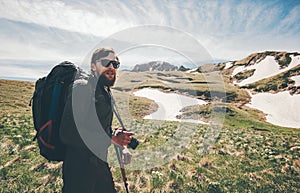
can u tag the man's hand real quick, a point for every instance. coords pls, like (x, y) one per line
(121, 137)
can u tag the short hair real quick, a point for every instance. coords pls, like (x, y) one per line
(100, 53)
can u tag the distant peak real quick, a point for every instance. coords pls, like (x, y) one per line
(154, 66)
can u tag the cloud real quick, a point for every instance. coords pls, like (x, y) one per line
(25, 69)
(103, 18)
(228, 29)
(58, 14)
(29, 50)
(29, 41)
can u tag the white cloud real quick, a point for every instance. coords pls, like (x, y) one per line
(60, 15)
(227, 29)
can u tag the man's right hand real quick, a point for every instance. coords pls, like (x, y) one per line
(121, 137)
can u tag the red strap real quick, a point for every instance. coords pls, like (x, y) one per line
(46, 144)
(49, 124)
(45, 125)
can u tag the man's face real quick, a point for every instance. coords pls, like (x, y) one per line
(107, 72)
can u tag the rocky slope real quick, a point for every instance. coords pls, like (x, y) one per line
(271, 79)
(267, 72)
(155, 66)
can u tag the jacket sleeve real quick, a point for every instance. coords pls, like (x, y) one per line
(80, 126)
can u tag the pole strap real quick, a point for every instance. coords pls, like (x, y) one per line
(119, 149)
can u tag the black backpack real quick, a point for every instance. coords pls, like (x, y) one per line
(48, 103)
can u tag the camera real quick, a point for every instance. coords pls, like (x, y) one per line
(133, 143)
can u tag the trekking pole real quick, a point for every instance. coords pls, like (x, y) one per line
(119, 155)
(122, 168)
(119, 149)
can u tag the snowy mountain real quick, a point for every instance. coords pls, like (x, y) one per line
(154, 66)
(257, 67)
(272, 80)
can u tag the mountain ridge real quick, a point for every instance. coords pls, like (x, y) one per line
(273, 69)
(278, 67)
(154, 66)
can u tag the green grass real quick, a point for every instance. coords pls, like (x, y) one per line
(244, 75)
(244, 155)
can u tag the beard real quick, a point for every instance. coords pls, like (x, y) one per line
(107, 78)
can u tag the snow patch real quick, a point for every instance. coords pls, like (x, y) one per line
(169, 104)
(264, 69)
(228, 65)
(296, 79)
(194, 70)
(282, 109)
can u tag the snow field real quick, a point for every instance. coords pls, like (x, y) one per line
(169, 104)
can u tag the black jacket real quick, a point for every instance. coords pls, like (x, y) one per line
(87, 118)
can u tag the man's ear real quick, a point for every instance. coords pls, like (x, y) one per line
(93, 67)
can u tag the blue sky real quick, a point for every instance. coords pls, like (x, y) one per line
(37, 34)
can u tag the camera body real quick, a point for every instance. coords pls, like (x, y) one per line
(133, 143)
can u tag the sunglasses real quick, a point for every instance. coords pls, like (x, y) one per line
(106, 63)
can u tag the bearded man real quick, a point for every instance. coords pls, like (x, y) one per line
(86, 128)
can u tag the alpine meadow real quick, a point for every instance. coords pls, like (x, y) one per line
(253, 150)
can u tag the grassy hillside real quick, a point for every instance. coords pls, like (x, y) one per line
(245, 155)
(201, 85)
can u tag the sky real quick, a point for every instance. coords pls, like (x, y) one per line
(37, 34)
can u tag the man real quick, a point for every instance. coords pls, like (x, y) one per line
(86, 129)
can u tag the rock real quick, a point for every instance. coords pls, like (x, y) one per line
(182, 68)
(295, 148)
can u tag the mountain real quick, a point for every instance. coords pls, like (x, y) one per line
(264, 71)
(266, 81)
(272, 80)
(267, 72)
(154, 66)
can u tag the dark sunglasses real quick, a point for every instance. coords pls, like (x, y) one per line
(106, 63)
